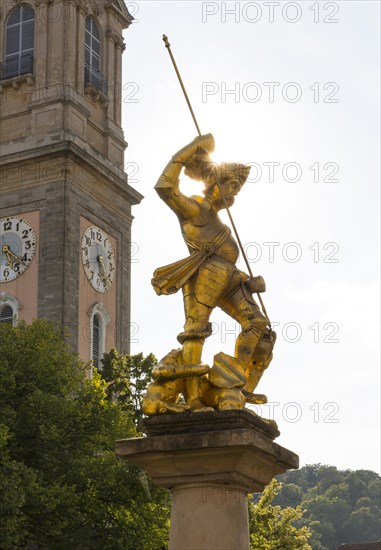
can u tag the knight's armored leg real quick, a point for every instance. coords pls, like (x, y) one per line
(196, 329)
(201, 295)
(241, 306)
(253, 325)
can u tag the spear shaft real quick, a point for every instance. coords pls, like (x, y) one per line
(168, 46)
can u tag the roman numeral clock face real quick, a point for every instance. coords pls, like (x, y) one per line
(98, 259)
(17, 247)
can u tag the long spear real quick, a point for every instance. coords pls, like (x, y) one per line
(168, 46)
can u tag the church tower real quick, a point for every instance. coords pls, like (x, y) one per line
(65, 228)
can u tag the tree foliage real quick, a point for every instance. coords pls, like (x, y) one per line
(61, 484)
(127, 378)
(343, 505)
(275, 528)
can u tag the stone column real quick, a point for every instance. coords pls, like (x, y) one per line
(55, 49)
(41, 45)
(209, 461)
(69, 14)
(82, 12)
(109, 71)
(118, 99)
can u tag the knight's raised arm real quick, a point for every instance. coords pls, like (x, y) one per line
(167, 186)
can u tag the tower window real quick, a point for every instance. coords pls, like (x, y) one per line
(6, 314)
(97, 339)
(9, 308)
(19, 43)
(92, 44)
(93, 57)
(99, 320)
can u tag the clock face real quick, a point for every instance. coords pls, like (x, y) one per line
(17, 247)
(98, 259)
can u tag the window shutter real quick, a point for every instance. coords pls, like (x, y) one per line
(6, 314)
(96, 341)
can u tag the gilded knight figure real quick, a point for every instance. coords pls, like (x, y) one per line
(208, 278)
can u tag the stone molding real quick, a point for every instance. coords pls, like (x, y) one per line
(121, 12)
(116, 38)
(68, 152)
(240, 453)
(99, 307)
(17, 81)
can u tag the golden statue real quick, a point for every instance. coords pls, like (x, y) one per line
(208, 278)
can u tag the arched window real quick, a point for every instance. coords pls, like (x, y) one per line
(99, 320)
(93, 56)
(92, 44)
(6, 314)
(19, 42)
(97, 340)
(9, 308)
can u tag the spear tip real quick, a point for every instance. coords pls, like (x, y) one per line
(166, 42)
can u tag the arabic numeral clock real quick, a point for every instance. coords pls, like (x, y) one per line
(98, 259)
(17, 247)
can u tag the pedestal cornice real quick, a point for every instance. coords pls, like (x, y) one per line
(236, 451)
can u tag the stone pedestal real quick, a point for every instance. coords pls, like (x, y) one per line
(209, 461)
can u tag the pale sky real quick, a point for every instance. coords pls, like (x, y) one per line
(303, 110)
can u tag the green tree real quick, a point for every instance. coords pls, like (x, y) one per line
(276, 528)
(363, 521)
(127, 378)
(343, 505)
(62, 485)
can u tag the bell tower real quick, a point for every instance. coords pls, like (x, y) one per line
(65, 209)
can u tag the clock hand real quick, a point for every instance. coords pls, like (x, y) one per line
(9, 254)
(102, 272)
(9, 259)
